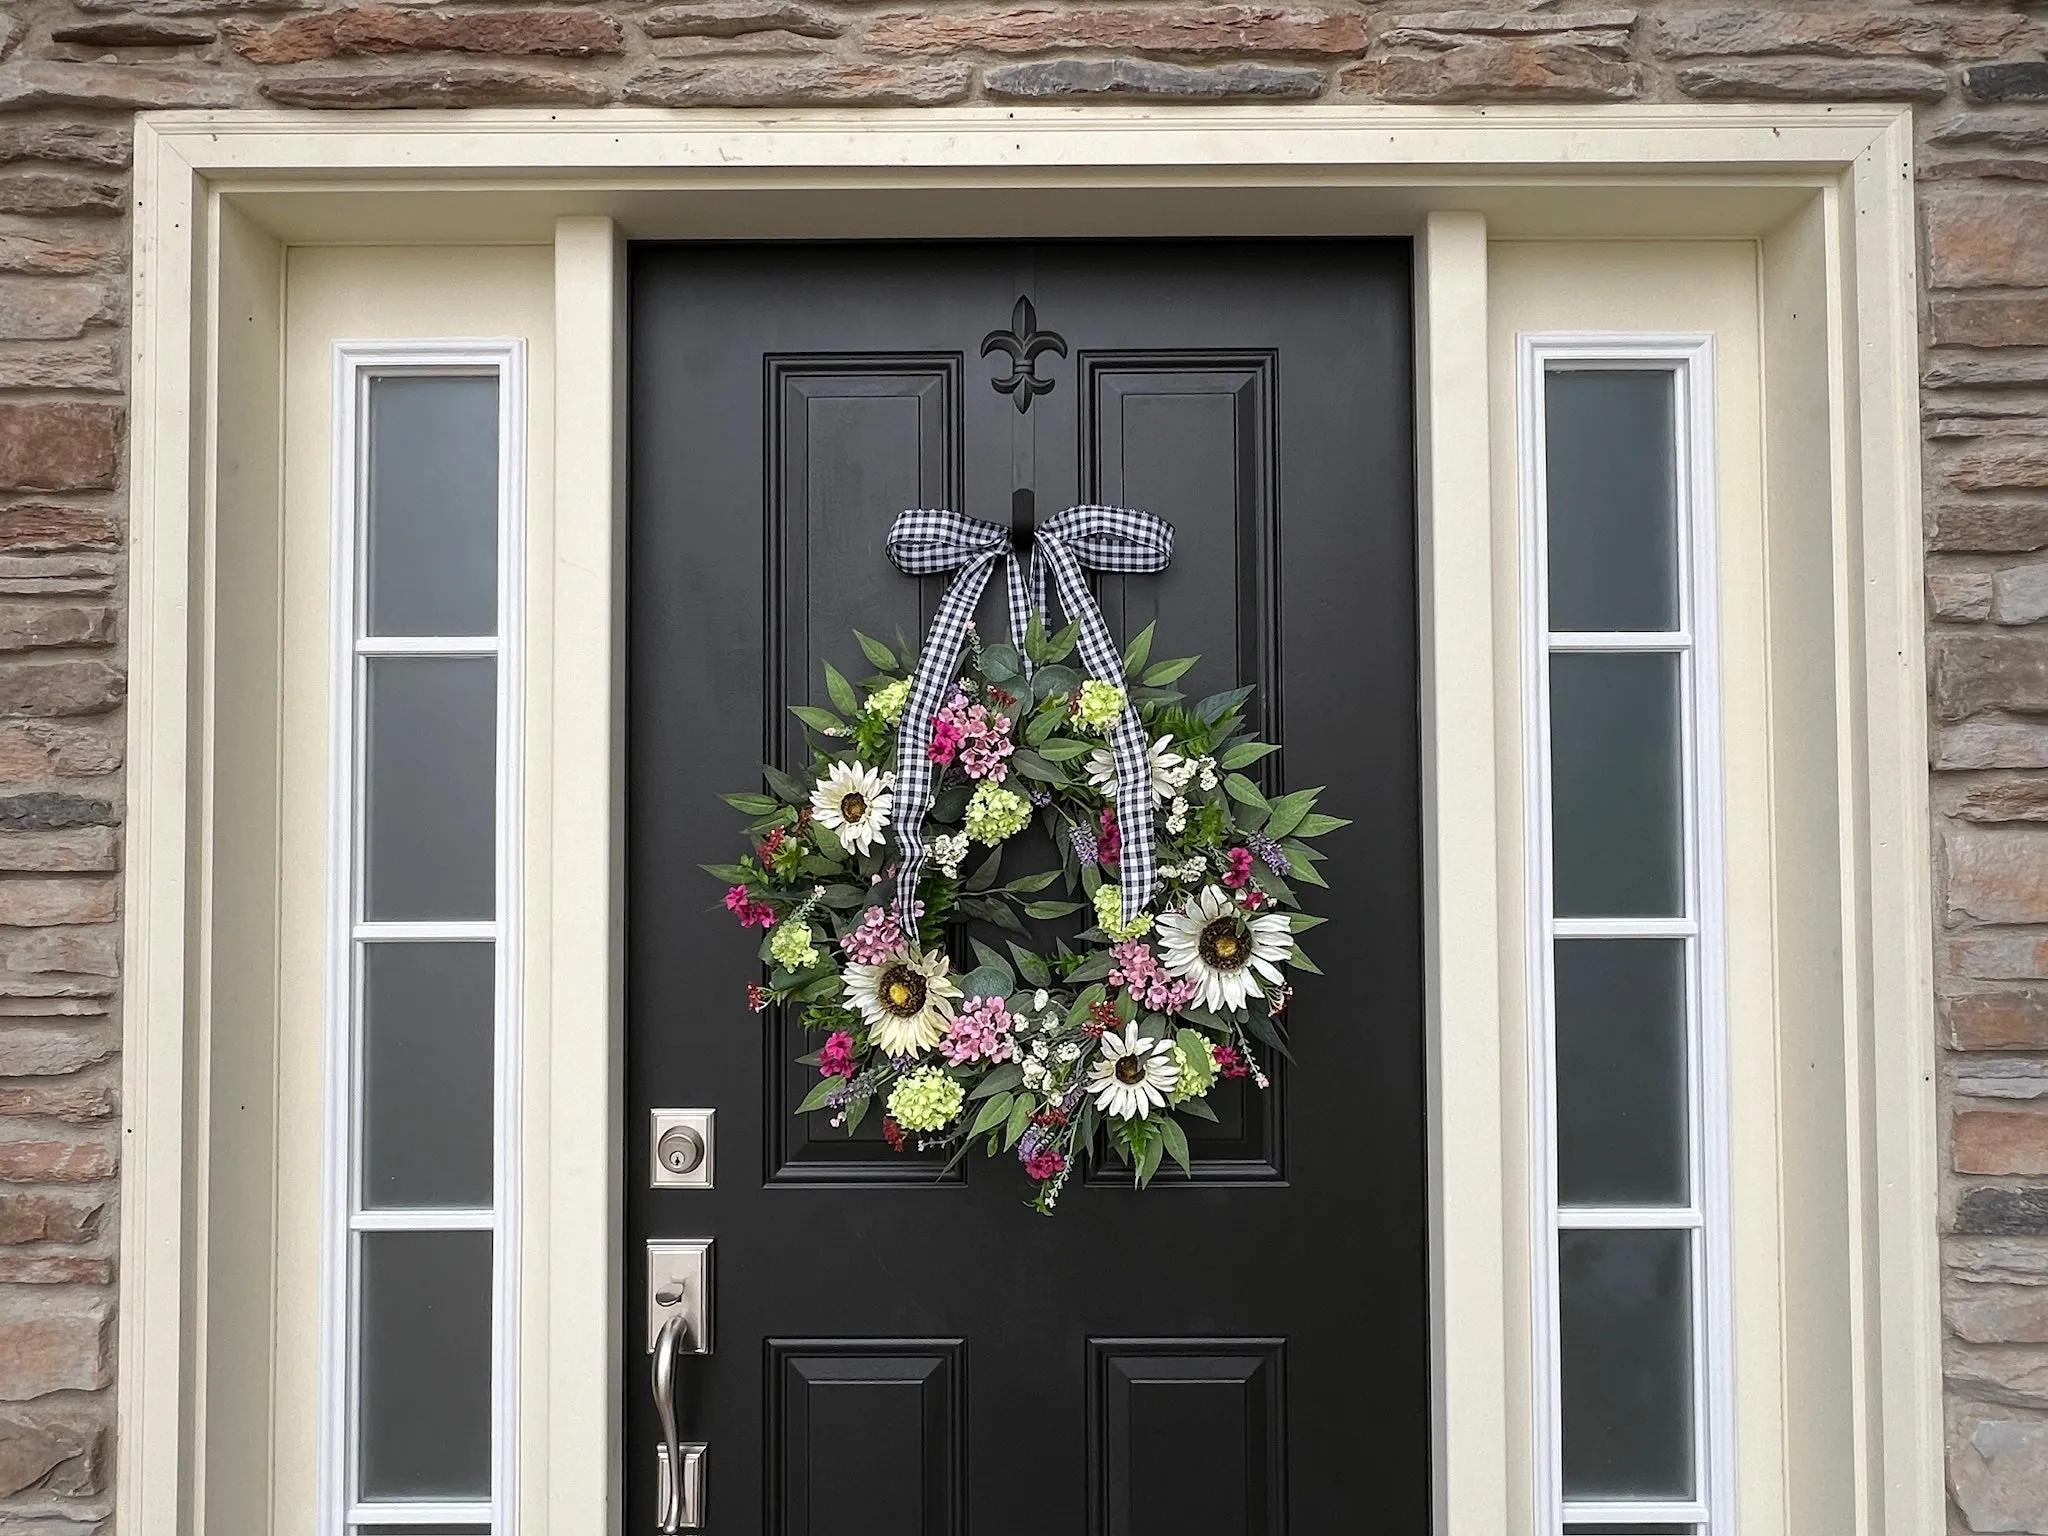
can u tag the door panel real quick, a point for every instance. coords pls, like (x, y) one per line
(897, 1352)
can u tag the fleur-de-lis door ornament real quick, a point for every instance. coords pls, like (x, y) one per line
(1024, 342)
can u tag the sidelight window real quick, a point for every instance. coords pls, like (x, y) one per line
(423, 962)
(1634, 1414)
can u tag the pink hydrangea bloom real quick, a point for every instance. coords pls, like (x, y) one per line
(879, 937)
(752, 914)
(1240, 871)
(836, 1059)
(1044, 1165)
(980, 1032)
(982, 735)
(1150, 986)
(945, 740)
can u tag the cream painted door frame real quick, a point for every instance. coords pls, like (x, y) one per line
(1824, 195)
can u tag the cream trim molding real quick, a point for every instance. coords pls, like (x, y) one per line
(1824, 193)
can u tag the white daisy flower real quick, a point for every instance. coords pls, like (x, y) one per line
(1102, 770)
(854, 800)
(908, 1003)
(1229, 951)
(1134, 1074)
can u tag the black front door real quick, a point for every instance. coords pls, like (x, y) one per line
(902, 1354)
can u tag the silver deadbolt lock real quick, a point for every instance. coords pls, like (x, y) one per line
(683, 1147)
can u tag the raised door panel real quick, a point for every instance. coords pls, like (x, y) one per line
(868, 1437)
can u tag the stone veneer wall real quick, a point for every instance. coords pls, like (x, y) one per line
(71, 72)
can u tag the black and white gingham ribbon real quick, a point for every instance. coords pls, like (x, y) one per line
(925, 543)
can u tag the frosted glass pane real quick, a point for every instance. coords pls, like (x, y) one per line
(427, 1037)
(432, 495)
(431, 788)
(1616, 796)
(1621, 1072)
(1625, 1354)
(425, 1405)
(1612, 474)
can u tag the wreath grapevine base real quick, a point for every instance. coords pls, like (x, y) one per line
(1115, 1039)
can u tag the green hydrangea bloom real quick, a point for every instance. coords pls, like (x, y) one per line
(1099, 705)
(925, 1100)
(1109, 915)
(886, 703)
(1197, 1072)
(996, 813)
(791, 946)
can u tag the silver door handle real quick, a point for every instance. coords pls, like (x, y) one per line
(679, 1471)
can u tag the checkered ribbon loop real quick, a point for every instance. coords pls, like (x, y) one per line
(926, 543)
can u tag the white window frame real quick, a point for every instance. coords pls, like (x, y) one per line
(1690, 360)
(355, 365)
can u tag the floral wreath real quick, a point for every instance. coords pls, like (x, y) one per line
(1119, 1035)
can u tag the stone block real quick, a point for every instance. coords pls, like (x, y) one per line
(1998, 1468)
(43, 810)
(1980, 241)
(1998, 956)
(47, 309)
(2013, 1020)
(79, 850)
(69, 1100)
(368, 30)
(1984, 1141)
(59, 688)
(736, 18)
(40, 626)
(60, 445)
(1975, 672)
(2019, 464)
(2011, 800)
(2014, 130)
(134, 32)
(109, 144)
(1991, 528)
(757, 83)
(39, 1161)
(45, 249)
(40, 749)
(57, 575)
(35, 952)
(1959, 595)
(2014, 368)
(42, 527)
(2018, 80)
(1814, 80)
(1605, 30)
(2014, 1375)
(1993, 877)
(1148, 79)
(461, 86)
(1997, 1314)
(1717, 30)
(30, 1216)
(54, 903)
(92, 365)
(1999, 1077)
(1489, 70)
(1991, 744)
(1188, 29)
(39, 1052)
(130, 87)
(45, 1348)
(60, 1453)
(61, 192)
(54, 1269)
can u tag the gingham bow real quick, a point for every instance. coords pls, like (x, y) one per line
(1094, 538)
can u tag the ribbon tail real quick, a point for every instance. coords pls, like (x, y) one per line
(1137, 872)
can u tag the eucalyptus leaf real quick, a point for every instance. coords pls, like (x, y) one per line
(1032, 766)
(1053, 682)
(1242, 754)
(844, 898)
(876, 652)
(987, 981)
(999, 662)
(817, 719)
(951, 802)
(994, 960)
(841, 691)
(1140, 650)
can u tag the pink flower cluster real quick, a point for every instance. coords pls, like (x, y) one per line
(879, 937)
(752, 914)
(980, 1032)
(1240, 868)
(1151, 987)
(836, 1059)
(1110, 846)
(981, 738)
(1230, 1061)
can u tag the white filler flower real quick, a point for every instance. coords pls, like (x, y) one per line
(1102, 770)
(908, 1003)
(1225, 949)
(1134, 1074)
(853, 800)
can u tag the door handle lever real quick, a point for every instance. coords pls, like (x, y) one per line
(679, 1468)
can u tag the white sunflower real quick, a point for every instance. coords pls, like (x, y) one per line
(854, 800)
(907, 1002)
(1227, 950)
(1134, 1074)
(1102, 770)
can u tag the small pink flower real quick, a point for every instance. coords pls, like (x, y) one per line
(1229, 1061)
(752, 914)
(836, 1059)
(879, 937)
(757, 996)
(980, 1032)
(1044, 1165)
(1111, 846)
(1151, 986)
(945, 740)
(1240, 868)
